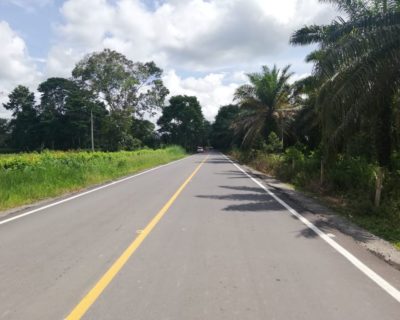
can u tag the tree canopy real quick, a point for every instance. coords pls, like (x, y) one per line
(25, 122)
(121, 83)
(262, 104)
(182, 122)
(222, 134)
(357, 71)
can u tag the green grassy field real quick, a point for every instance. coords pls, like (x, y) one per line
(26, 178)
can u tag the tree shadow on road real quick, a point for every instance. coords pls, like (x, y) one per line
(253, 199)
(250, 200)
(332, 224)
(215, 161)
(232, 174)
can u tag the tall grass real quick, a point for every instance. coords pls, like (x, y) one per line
(25, 178)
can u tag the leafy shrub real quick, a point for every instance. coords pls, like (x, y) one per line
(352, 174)
(274, 144)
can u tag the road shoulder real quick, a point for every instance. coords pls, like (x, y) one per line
(329, 220)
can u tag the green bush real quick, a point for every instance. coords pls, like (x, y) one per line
(274, 144)
(352, 174)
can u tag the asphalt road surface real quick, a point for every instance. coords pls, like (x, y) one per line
(196, 239)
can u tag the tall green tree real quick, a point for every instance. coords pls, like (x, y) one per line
(263, 103)
(128, 90)
(357, 65)
(305, 125)
(55, 93)
(222, 134)
(4, 133)
(80, 107)
(24, 124)
(65, 115)
(182, 122)
(123, 84)
(144, 130)
(207, 129)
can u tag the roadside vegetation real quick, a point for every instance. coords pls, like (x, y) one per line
(349, 186)
(29, 177)
(335, 133)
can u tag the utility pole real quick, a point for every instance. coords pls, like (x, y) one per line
(91, 129)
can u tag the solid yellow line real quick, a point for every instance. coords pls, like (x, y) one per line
(83, 306)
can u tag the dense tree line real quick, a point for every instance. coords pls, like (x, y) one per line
(117, 94)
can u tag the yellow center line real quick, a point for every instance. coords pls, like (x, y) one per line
(83, 306)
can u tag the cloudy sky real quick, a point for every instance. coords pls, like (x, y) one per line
(204, 46)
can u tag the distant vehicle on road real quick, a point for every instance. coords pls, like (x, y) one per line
(200, 149)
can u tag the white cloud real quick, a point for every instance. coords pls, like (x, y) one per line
(210, 90)
(193, 34)
(17, 67)
(219, 37)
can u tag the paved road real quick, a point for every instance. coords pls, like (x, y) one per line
(224, 250)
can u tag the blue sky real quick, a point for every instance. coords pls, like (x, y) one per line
(33, 23)
(204, 46)
(36, 21)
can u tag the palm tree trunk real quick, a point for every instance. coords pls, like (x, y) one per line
(379, 185)
(383, 147)
(384, 135)
(384, 5)
(322, 173)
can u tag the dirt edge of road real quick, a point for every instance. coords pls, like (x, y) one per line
(330, 219)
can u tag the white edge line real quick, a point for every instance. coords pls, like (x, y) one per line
(89, 191)
(391, 290)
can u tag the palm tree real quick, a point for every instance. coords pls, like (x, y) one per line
(305, 126)
(263, 104)
(358, 68)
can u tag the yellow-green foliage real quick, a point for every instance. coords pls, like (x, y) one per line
(25, 178)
